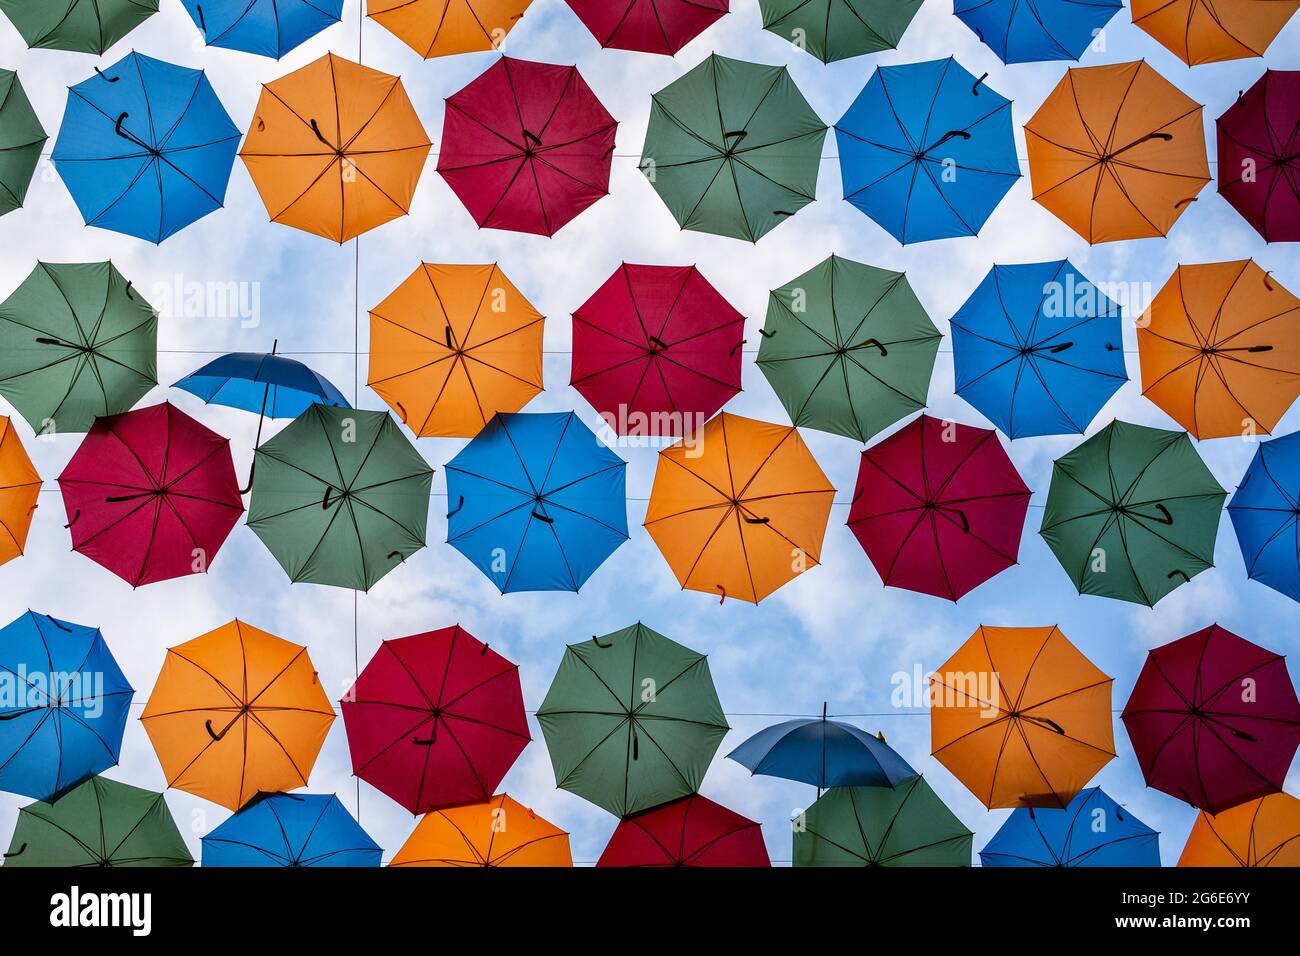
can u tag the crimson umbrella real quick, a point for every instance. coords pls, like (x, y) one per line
(656, 350)
(527, 146)
(151, 494)
(1214, 719)
(692, 831)
(939, 507)
(648, 26)
(1259, 155)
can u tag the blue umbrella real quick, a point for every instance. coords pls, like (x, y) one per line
(1265, 513)
(927, 150)
(265, 27)
(1038, 349)
(145, 147)
(537, 502)
(291, 829)
(1030, 31)
(63, 706)
(1093, 830)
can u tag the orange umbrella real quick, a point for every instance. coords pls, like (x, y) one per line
(235, 712)
(739, 508)
(494, 832)
(1207, 31)
(454, 345)
(447, 27)
(335, 148)
(1220, 349)
(20, 486)
(1021, 717)
(1117, 152)
(1263, 832)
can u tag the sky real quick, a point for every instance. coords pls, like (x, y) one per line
(834, 634)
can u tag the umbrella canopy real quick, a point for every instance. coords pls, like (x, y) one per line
(495, 832)
(537, 502)
(733, 148)
(824, 753)
(145, 148)
(527, 146)
(907, 825)
(1117, 152)
(79, 26)
(235, 712)
(291, 830)
(448, 27)
(939, 507)
(454, 345)
(1030, 31)
(631, 720)
(1265, 514)
(848, 348)
(1132, 513)
(740, 509)
(648, 26)
(272, 385)
(265, 27)
(693, 831)
(1209, 31)
(21, 140)
(1214, 719)
(20, 490)
(1021, 717)
(1093, 830)
(1264, 832)
(335, 148)
(340, 497)
(63, 717)
(1220, 349)
(1038, 349)
(1258, 159)
(927, 150)
(656, 350)
(435, 719)
(838, 29)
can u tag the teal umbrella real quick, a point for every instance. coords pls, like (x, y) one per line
(21, 139)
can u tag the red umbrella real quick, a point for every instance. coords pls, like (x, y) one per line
(939, 507)
(692, 831)
(527, 146)
(1259, 155)
(654, 347)
(435, 719)
(151, 494)
(648, 26)
(1214, 719)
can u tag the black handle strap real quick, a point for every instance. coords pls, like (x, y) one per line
(459, 504)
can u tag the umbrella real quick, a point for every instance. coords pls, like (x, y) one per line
(340, 497)
(266, 27)
(1214, 719)
(1020, 717)
(1264, 832)
(454, 345)
(656, 350)
(939, 507)
(733, 148)
(1265, 513)
(335, 148)
(927, 150)
(1117, 152)
(237, 711)
(692, 831)
(1132, 513)
(435, 719)
(648, 26)
(447, 27)
(494, 832)
(1038, 349)
(1030, 31)
(1219, 350)
(848, 348)
(739, 509)
(145, 148)
(1209, 31)
(63, 717)
(290, 829)
(1259, 164)
(838, 29)
(631, 720)
(20, 489)
(537, 502)
(80, 26)
(907, 825)
(21, 140)
(1093, 830)
(527, 146)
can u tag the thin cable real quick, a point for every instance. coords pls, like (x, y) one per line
(356, 386)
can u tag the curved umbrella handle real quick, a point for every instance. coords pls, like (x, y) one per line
(325, 502)
(965, 522)
(117, 127)
(15, 714)
(105, 77)
(451, 342)
(596, 640)
(636, 745)
(398, 555)
(739, 345)
(736, 134)
(315, 128)
(252, 469)
(1260, 348)
(456, 510)
(723, 599)
(46, 340)
(57, 623)
(1180, 573)
(1048, 722)
(877, 343)
(976, 88)
(118, 499)
(75, 516)
(766, 334)
(1242, 735)
(541, 517)
(207, 725)
(1058, 349)
(424, 741)
(782, 213)
(22, 849)
(1168, 518)
(198, 8)
(401, 409)
(749, 520)
(656, 341)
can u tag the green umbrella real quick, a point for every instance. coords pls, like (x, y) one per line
(733, 148)
(631, 720)
(82, 26)
(1132, 513)
(838, 29)
(21, 139)
(340, 497)
(848, 348)
(76, 341)
(907, 825)
(98, 823)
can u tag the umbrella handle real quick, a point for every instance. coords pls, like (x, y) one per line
(975, 89)
(106, 77)
(423, 741)
(14, 715)
(766, 334)
(451, 342)
(202, 23)
(965, 522)
(723, 599)
(1051, 724)
(22, 849)
(1167, 519)
(736, 346)
(655, 340)
(749, 520)
(57, 623)
(75, 516)
(456, 510)
(541, 517)
(118, 499)
(877, 343)
(207, 725)
(1057, 349)
(782, 212)
(315, 128)
(397, 554)
(533, 136)
(858, 494)
(117, 127)
(325, 502)
(1241, 734)
(636, 745)
(251, 470)
(45, 340)
(596, 640)
(736, 134)
(1180, 573)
